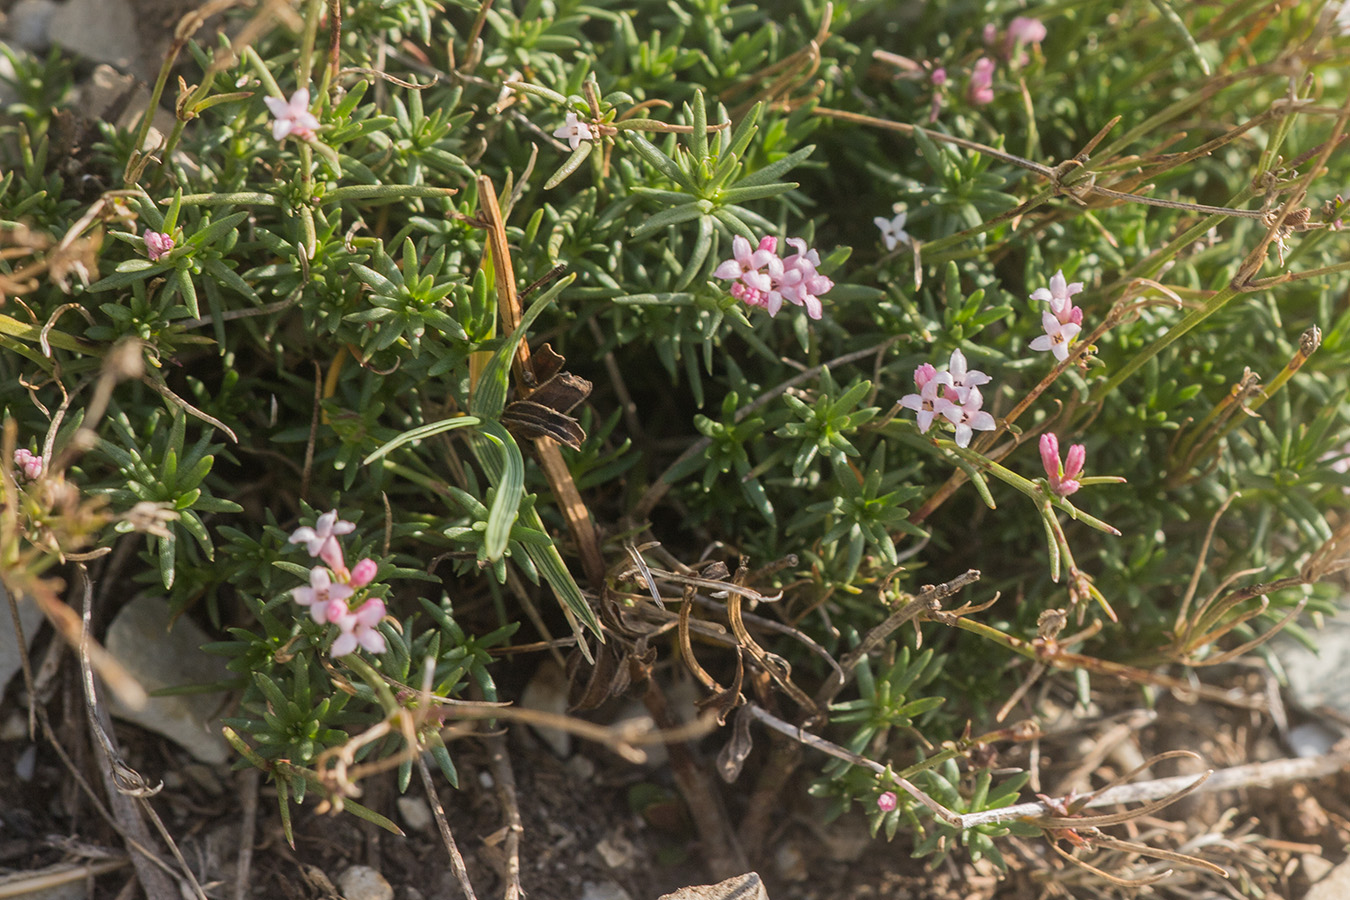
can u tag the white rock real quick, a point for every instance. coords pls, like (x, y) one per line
(1335, 886)
(30, 617)
(101, 30)
(742, 887)
(158, 658)
(364, 883)
(603, 890)
(1318, 679)
(414, 812)
(547, 692)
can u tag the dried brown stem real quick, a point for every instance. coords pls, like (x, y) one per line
(447, 838)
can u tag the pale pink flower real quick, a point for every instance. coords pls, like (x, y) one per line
(29, 463)
(322, 539)
(1058, 336)
(968, 417)
(574, 131)
(980, 90)
(1060, 297)
(744, 261)
(887, 801)
(1063, 478)
(292, 116)
(893, 229)
(931, 400)
(1026, 31)
(157, 244)
(359, 629)
(961, 379)
(801, 284)
(321, 594)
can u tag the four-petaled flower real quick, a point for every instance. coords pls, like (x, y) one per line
(968, 417)
(931, 401)
(961, 378)
(29, 463)
(321, 594)
(157, 244)
(292, 116)
(893, 229)
(358, 628)
(574, 131)
(1058, 335)
(1063, 477)
(321, 540)
(1060, 297)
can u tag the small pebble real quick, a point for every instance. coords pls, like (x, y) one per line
(414, 812)
(603, 890)
(26, 764)
(364, 883)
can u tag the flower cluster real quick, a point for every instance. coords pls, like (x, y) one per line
(1063, 477)
(954, 395)
(29, 463)
(1062, 321)
(292, 116)
(157, 244)
(574, 131)
(762, 278)
(328, 600)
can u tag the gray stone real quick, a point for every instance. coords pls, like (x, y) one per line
(547, 692)
(742, 887)
(1318, 679)
(157, 657)
(364, 883)
(101, 30)
(604, 890)
(28, 24)
(30, 617)
(1335, 886)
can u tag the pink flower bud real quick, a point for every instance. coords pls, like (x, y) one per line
(157, 244)
(939, 77)
(363, 573)
(924, 374)
(980, 90)
(768, 243)
(1073, 461)
(1050, 454)
(30, 464)
(887, 801)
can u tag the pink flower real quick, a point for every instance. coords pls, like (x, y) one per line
(359, 628)
(574, 131)
(1026, 31)
(157, 244)
(363, 573)
(1063, 478)
(30, 464)
(321, 594)
(980, 90)
(321, 540)
(764, 279)
(1058, 336)
(939, 77)
(968, 417)
(887, 801)
(292, 116)
(744, 261)
(1060, 297)
(930, 402)
(961, 379)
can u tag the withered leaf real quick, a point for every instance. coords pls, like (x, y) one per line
(543, 412)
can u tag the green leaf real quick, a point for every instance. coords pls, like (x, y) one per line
(510, 489)
(420, 433)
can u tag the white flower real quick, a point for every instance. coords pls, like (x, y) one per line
(1060, 296)
(293, 116)
(893, 229)
(961, 378)
(1058, 336)
(968, 417)
(575, 132)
